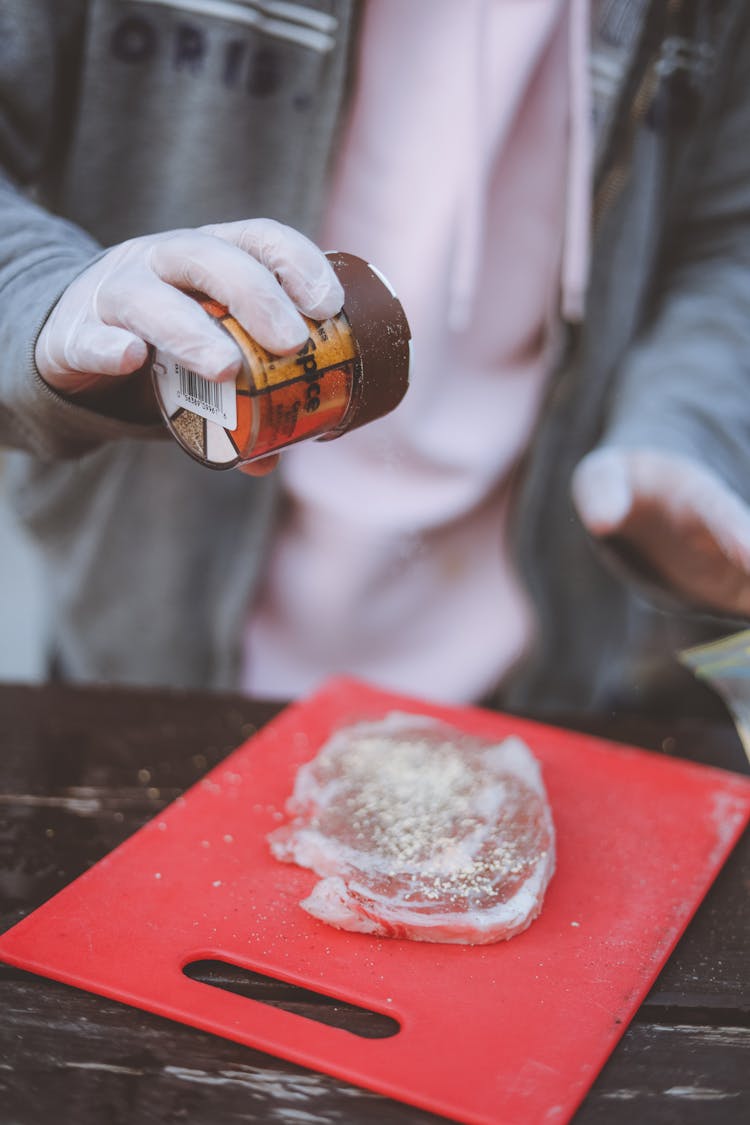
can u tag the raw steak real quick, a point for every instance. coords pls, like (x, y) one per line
(421, 831)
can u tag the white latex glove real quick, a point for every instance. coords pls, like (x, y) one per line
(264, 272)
(681, 519)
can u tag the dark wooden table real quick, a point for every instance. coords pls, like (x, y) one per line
(81, 769)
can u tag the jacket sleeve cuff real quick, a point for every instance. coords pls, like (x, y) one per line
(33, 416)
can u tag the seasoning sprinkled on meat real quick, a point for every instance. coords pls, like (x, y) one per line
(421, 831)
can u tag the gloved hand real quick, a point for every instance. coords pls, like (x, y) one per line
(680, 518)
(264, 272)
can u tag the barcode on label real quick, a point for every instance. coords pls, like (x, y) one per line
(181, 388)
(199, 391)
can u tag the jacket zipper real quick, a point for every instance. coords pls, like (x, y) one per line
(614, 179)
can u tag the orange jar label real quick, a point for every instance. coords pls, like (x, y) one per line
(275, 401)
(284, 399)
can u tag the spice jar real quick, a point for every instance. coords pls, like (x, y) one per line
(353, 369)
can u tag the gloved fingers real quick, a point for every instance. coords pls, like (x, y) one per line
(682, 518)
(300, 266)
(264, 272)
(262, 467)
(158, 313)
(602, 491)
(722, 513)
(195, 260)
(611, 485)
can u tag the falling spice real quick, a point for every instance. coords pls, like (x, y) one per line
(353, 369)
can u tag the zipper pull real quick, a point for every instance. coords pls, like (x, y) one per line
(682, 69)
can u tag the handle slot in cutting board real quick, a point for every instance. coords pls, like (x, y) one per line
(319, 1006)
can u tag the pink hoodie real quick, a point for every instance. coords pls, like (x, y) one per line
(465, 177)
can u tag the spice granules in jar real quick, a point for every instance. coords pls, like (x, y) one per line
(353, 369)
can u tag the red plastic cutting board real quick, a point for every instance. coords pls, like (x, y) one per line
(514, 1032)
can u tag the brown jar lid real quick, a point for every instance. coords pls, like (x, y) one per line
(382, 333)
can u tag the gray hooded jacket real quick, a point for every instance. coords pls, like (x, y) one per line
(122, 117)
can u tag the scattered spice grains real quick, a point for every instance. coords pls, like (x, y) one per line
(418, 807)
(423, 821)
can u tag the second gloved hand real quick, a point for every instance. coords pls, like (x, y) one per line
(133, 296)
(682, 520)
